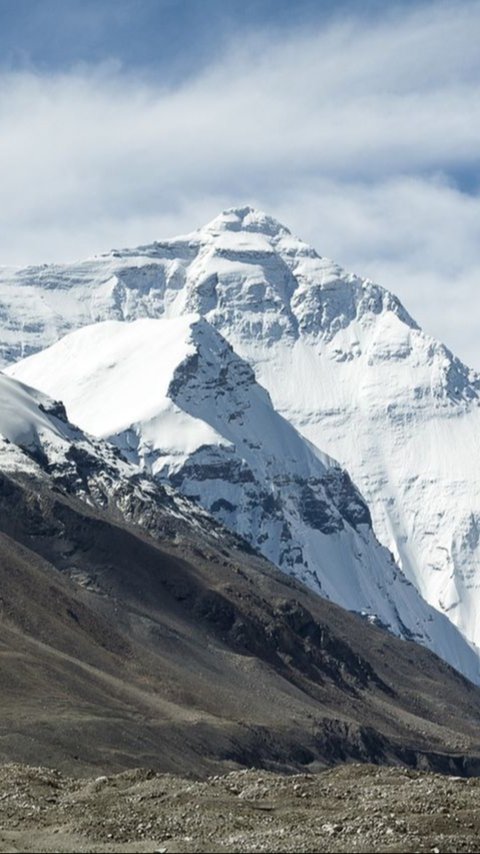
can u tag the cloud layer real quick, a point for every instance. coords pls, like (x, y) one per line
(362, 137)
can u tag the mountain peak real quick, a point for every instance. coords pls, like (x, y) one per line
(246, 218)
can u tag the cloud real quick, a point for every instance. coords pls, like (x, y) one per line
(360, 135)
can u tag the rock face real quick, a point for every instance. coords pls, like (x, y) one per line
(342, 361)
(175, 398)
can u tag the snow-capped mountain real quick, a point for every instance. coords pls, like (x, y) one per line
(341, 359)
(39, 444)
(175, 398)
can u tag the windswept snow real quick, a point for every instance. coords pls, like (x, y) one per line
(104, 389)
(23, 415)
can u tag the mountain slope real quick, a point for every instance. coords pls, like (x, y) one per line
(175, 398)
(340, 357)
(136, 631)
(39, 443)
(120, 650)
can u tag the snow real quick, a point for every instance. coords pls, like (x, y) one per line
(22, 420)
(378, 397)
(37, 441)
(342, 361)
(174, 396)
(108, 394)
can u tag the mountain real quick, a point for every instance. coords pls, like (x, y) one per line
(341, 358)
(37, 441)
(135, 631)
(173, 397)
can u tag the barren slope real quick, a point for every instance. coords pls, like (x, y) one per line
(119, 651)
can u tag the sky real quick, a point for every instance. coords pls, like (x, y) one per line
(357, 124)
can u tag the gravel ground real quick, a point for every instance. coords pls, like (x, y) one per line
(349, 808)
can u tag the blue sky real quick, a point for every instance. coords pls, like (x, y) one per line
(355, 123)
(170, 39)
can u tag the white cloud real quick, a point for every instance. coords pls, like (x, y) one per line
(348, 134)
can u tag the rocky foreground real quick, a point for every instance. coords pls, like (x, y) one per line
(349, 808)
